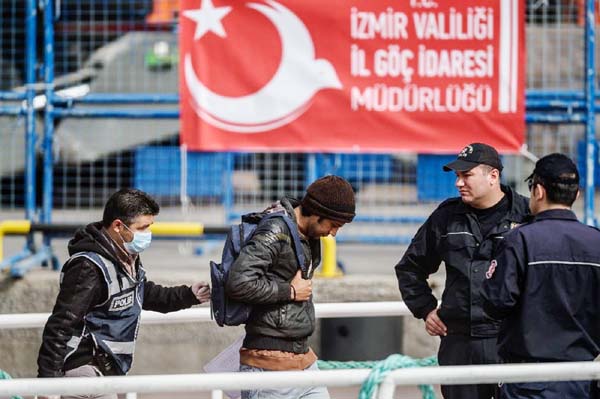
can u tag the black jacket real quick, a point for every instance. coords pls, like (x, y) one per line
(261, 276)
(452, 234)
(83, 287)
(546, 284)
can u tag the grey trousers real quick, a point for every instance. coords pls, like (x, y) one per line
(284, 393)
(87, 371)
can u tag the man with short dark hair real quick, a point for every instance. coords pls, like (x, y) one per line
(545, 284)
(103, 288)
(462, 232)
(267, 275)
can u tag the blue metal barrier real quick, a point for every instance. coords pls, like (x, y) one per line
(590, 96)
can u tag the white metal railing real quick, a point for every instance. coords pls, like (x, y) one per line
(217, 382)
(489, 374)
(322, 310)
(449, 375)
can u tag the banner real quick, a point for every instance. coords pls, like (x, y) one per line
(351, 76)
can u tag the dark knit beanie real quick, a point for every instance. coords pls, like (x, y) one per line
(330, 197)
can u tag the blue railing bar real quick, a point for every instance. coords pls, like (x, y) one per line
(107, 98)
(121, 98)
(534, 117)
(558, 94)
(116, 113)
(47, 146)
(150, 98)
(365, 239)
(174, 113)
(12, 96)
(30, 135)
(365, 218)
(390, 219)
(11, 110)
(8, 262)
(553, 104)
(590, 95)
(19, 268)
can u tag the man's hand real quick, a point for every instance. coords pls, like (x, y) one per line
(202, 291)
(434, 325)
(301, 288)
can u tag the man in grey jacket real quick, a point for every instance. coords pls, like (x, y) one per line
(267, 275)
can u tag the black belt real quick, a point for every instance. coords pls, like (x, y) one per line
(525, 360)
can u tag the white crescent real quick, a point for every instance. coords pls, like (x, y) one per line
(285, 97)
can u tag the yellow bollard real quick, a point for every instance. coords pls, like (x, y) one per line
(12, 227)
(329, 266)
(177, 229)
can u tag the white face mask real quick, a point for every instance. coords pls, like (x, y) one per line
(141, 241)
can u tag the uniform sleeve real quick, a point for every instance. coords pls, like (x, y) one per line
(421, 259)
(82, 288)
(167, 299)
(248, 280)
(503, 285)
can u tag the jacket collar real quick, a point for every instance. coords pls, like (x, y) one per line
(565, 214)
(289, 204)
(512, 198)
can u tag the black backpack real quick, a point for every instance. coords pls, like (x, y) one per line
(226, 311)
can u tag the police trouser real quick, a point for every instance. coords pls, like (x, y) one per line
(548, 390)
(87, 370)
(465, 350)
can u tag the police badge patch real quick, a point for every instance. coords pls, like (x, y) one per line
(122, 302)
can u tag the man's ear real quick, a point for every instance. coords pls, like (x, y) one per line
(116, 226)
(539, 192)
(495, 173)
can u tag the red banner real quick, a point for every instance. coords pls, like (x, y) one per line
(348, 75)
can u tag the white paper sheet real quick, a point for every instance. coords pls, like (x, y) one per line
(227, 361)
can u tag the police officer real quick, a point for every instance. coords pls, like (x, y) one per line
(103, 287)
(463, 232)
(545, 281)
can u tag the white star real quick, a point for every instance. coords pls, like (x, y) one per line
(208, 18)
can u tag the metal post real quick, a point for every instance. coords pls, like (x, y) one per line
(590, 127)
(30, 136)
(216, 394)
(386, 389)
(228, 194)
(48, 117)
(311, 169)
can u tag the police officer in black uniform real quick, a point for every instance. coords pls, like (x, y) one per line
(464, 233)
(545, 283)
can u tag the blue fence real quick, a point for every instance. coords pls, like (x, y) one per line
(79, 148)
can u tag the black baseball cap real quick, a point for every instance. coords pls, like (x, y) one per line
(556, 168)
(473, 155)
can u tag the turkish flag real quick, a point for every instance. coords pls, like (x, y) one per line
(351, 76)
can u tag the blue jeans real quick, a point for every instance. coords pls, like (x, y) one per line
(284, 393)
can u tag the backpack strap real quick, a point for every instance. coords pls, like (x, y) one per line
(296, 241)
